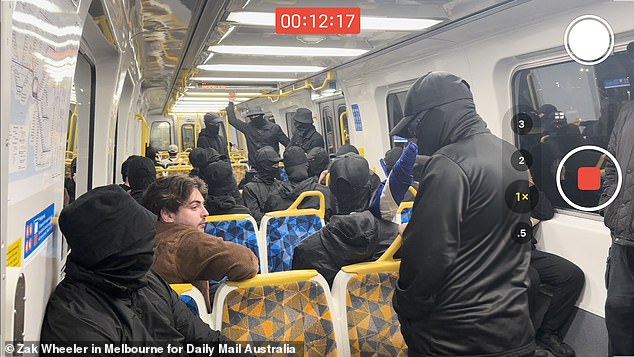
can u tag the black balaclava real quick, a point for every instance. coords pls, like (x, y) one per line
(258, 120)
(141, 173)
(219, 178)
(345, 149)
(349, 182)
(318, 161)
(296, 164)
(303, 128)
(212, 123)
(265, 158)
(124, 166)
(111, 239)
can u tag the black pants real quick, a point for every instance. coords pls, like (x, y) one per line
(566, 281)
(619, 306)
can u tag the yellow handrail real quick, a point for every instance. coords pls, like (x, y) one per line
(303, 195)
(179, 133)
(388, 255)
(279, 277)
(343, 128)
(72, 130)
(412, 190)
(144, 129)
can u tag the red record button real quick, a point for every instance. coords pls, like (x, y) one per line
(589, 178)
(317, 20)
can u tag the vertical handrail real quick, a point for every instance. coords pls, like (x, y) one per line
(72, 130)
(144, 129)
(179, 133)
(342, 127)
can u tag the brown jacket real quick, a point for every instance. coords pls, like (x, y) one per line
(183, 254)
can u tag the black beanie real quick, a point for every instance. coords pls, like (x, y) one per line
(294, 156)
(345, 149)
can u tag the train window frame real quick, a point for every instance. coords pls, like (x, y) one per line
(391, 119)
(169, 135)
(193, 136)
(288, 117)
(592, 112)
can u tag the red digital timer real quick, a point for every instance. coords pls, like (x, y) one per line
(318, 20)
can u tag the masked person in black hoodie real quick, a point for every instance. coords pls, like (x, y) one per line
(318, 161)
(462, 287)
(296, 165)
(210, 136)
(201, 157)
(262, 194)
(306, 136)
(141, 174)
(223, 196)
(354, 234)
(259, 131)
(109, 293)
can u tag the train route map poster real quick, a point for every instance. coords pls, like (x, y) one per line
(45, 41)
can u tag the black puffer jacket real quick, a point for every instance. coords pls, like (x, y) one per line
(261, 197)
(462, 289)
(109, 293)
(346, 239)
(308, 139)
(619, 215)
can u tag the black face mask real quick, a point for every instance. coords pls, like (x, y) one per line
(303, 127)
(213, 129)
(258, 120)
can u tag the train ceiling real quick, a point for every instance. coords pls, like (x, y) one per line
(197, 52)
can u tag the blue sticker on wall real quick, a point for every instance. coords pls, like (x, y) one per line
(38, 229)
(357, 117)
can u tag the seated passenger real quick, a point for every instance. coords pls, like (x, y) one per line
(296, 165)
(566, 281)
(109, 293)
(375, 180)
(354, 234)
(318, 161)
(183, 252)
(173, 159)
(141, 174)
(223, 197)
(262, 194)
(201, 157)
(124, 173)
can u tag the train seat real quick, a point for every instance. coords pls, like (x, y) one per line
(363, 299)
(193, 298)
(240, 229)
(281, 231)
(293, 307)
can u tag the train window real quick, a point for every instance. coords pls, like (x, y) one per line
(160, 135)
(290, 128)
(188, 136)
(395, 102)
(565, 106)
(329, 130)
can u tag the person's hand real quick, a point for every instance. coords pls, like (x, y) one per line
(401, 228)
(322, 177)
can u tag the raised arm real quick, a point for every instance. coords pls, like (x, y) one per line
(233, 120)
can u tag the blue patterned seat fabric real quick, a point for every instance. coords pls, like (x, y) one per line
(284, 234)
(406, 214)
(240, 232)
(191, 304)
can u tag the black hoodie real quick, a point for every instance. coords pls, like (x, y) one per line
(210, 138)
(109, 293)
(462, 281)
(141, 173)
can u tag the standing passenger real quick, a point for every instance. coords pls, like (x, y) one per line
(619, 217)
(141, 173)
(462, 282)
(306, 136)
(259, 131)
(183, 252)
(210, 136)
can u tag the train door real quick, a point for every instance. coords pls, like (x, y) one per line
(84, 80)
(334, 123)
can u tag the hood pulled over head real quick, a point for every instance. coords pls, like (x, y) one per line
(349, 182)
(439, 110)
(110, 235)
(219, 178)
(141, 173)
(266, 164)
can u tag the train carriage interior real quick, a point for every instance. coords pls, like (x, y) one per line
(87, 83)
